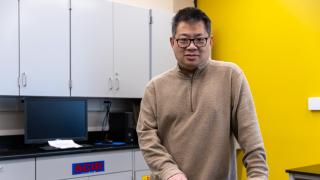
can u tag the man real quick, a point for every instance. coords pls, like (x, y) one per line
(190, 114)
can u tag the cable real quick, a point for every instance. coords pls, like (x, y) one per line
(105, 122)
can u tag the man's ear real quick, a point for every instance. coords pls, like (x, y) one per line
(211, 40)
(171, 41)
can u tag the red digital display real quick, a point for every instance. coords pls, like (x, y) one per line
(87, 167)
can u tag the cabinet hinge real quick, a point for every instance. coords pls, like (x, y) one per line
(150, 20)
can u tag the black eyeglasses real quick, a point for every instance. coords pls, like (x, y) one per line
(198, 42)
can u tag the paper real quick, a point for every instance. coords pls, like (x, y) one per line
(64, 144)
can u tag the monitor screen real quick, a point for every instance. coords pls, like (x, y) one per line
(55, 118)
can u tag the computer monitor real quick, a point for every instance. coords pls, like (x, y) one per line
(55, 118)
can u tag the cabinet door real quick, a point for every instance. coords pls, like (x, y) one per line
(139, 162)
(162, 58)
(131, 50)
(61, 167)
(44, 47)
(17, 169)
(115, 176)
(82, 178)
(91, 48)
(9, 47)
(142, 175)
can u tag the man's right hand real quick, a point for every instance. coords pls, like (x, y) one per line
(179, 176)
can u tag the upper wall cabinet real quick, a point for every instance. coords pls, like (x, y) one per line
(44, 47)
(91, 48)
(9, 48)
(131, 50)
(162, 54)
(95, 47)
(109, 51)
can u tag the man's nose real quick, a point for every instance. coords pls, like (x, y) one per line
(192, 46)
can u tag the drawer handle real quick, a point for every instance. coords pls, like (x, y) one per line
(1, 167)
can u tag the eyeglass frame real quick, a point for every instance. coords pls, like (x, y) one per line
(193, 41)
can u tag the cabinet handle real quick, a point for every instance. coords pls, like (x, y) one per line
(1, 167)
(19, 81)
(110, 83)
(24, 79)
(118, 83)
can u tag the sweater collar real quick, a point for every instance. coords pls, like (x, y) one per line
(183, 74)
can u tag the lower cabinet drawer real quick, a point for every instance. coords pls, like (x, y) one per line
(80, 165)
(139, 162)
(142, 175)
(17, 169)
(114, 176)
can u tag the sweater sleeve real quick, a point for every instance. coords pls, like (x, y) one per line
(246, 129)
(156, 155)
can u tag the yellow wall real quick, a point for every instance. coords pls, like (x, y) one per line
(277, 44)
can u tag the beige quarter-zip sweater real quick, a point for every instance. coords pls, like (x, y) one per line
(187, 124)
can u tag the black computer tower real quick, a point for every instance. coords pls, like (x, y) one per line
(122, 127)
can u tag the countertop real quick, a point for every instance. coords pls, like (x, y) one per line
(13, 147)
(12, 153)
(313, 170)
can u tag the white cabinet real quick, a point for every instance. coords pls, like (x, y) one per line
(44, 47)
(17, 169)
(110, 49)
(9, 48)
(139, 162)
(142, 175)
(117, 165)
(141, 169)
(162, 58)
(62, 167)
(114, 176)
(99, 48)
(83, 178)
(131, 50)
(91, 48)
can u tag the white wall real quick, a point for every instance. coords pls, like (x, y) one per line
(166, 5)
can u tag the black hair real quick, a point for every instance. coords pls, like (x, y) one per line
(190, 15)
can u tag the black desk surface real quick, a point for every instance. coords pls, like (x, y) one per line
(313, 170)
(9, 154)
(13, 147)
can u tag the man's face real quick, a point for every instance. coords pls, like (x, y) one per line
(191, 57)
